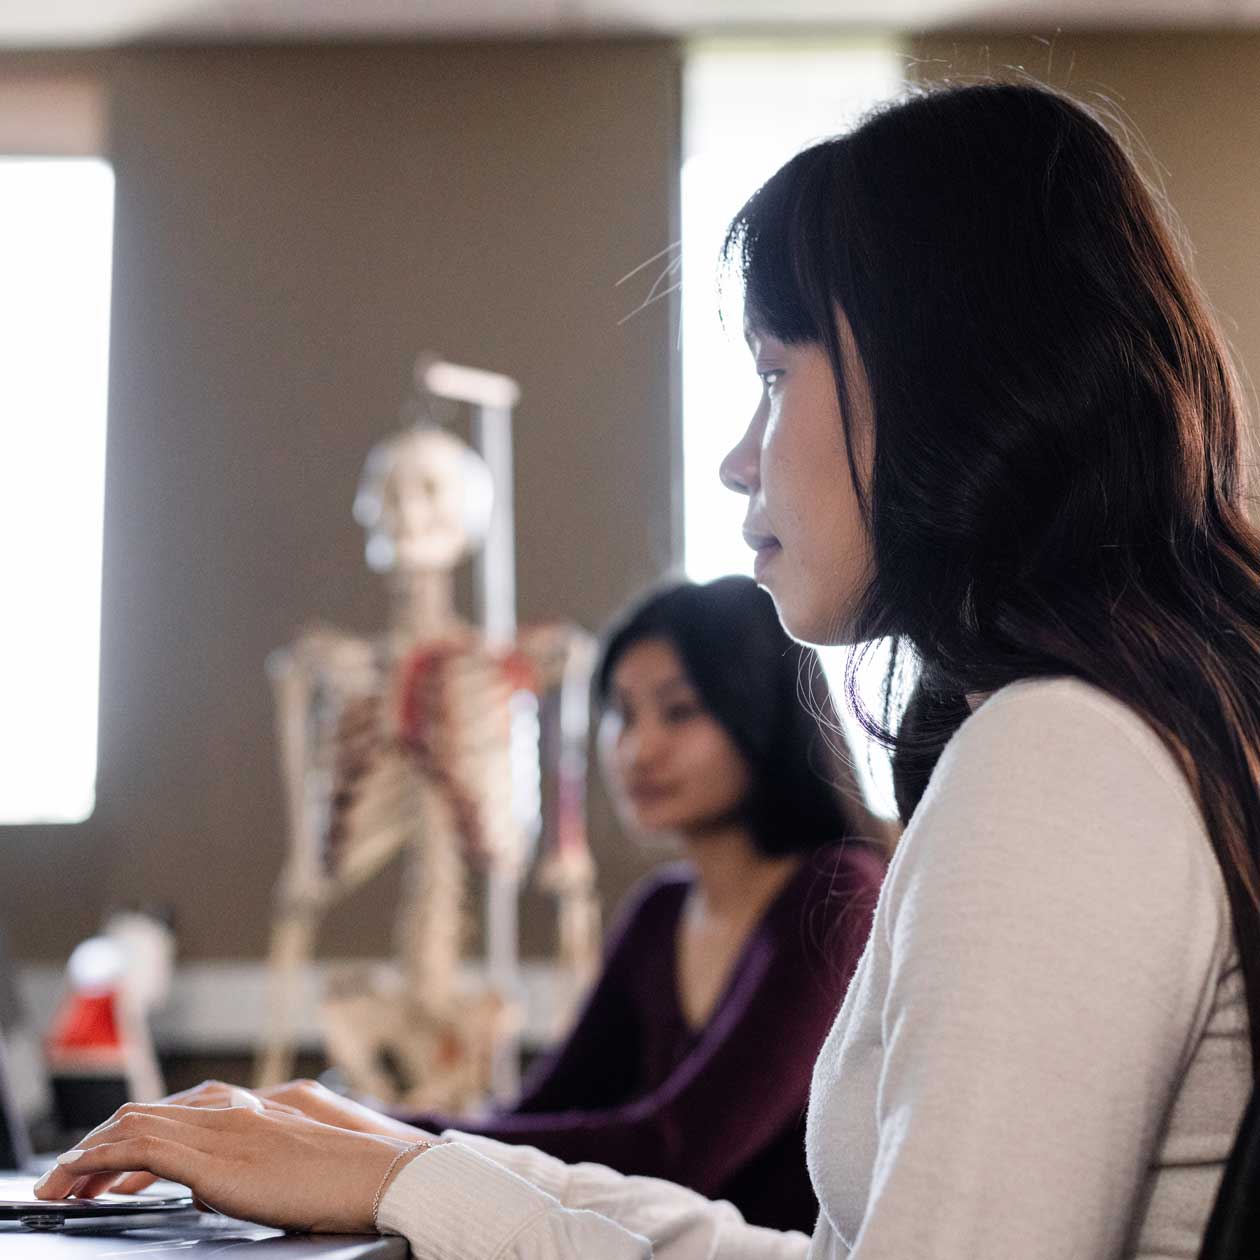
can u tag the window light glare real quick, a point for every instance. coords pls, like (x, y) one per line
(56, 231)
(748, 108)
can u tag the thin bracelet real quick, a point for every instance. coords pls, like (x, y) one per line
(414, 1149)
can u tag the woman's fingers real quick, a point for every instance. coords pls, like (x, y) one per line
(131, 1183)
(112, 1183)
(89, 1188)
(302, 1086)
(176, 1113)
(158, 1155)
(317, 1101)
(307, 1098)
(135, 1122)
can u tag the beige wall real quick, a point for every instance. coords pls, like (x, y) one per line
(1191, 100)
(292, 226)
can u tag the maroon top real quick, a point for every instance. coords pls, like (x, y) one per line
(721, 1108)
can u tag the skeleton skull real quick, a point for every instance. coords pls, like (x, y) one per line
(425, 500)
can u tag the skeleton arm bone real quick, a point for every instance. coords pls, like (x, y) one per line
(563, 657)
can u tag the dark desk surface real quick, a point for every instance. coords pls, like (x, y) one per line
(194, 1238)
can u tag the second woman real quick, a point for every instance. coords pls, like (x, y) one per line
(691, 1059)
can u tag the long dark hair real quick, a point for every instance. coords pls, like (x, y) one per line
(1056, 485)
(767, 692)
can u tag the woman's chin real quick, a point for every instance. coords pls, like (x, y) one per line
(806, 622)
(797, 618)
(655, 842)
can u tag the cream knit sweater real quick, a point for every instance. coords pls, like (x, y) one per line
(1042, 1056)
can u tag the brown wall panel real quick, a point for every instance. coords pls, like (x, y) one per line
(293, 224)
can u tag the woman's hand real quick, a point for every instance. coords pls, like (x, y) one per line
(321, 1103)
(263, 1164)
(305, 1098)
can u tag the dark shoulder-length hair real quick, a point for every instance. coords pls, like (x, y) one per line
(1055, 485)
(767, 692)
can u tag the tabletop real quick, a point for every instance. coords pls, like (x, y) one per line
(195, 1237)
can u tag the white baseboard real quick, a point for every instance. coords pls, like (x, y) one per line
(221, 1006)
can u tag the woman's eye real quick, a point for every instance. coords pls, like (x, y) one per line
(680, 712)
(771, 378)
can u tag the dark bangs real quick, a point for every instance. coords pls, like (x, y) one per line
(766, 245)
(796, 251)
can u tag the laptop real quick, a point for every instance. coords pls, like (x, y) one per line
(19, 1168)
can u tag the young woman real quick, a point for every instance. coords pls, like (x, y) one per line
(725, 970)
(998, 422)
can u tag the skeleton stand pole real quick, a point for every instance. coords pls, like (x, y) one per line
(492, 398)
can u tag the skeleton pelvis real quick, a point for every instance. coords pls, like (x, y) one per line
(405, 1052)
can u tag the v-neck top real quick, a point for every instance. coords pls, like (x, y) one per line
(720, 1108)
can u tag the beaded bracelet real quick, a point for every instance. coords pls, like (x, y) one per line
(414, 1149)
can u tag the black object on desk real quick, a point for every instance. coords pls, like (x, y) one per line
(15, 1138)
(197, 1238)
(18, 1203)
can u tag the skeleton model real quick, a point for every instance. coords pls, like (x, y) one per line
(425, 745)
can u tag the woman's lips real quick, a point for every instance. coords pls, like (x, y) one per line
(766, 547)
(757, 541)
(649, 793)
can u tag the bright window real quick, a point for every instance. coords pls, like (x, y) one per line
(56, 231)
(747, 109)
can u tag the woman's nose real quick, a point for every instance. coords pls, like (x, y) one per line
(639, 747)
(740, 470)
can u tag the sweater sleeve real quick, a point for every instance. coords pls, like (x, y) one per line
(714, 1113)
(476, 1199)
(1055, 926)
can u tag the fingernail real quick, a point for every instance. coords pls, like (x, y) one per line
(238, 1097)
(43, 1181)
(70, 1156)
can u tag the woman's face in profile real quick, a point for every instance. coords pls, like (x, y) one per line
(670, 764)
(803, 517)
